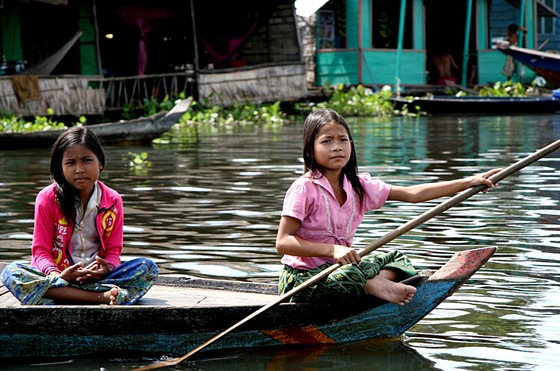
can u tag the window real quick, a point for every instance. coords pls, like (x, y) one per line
(546, 24)
(385, 24)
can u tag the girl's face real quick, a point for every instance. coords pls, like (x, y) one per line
(332, 146)
(81, 168)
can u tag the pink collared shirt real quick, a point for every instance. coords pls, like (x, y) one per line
(323, 220)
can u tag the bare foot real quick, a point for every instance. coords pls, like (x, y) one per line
(74, 295)
(112, 295)
(393, 292)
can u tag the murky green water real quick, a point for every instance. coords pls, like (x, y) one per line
(210, 206)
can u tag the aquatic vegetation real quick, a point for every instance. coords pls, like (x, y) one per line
(506, 89)
(17, 124)
(359, 101)
(139, 160)
(239, 114)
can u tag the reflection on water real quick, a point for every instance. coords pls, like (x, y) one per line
(210, 205)
(371, 355)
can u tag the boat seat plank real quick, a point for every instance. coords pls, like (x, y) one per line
(174, 296)
(199, 297)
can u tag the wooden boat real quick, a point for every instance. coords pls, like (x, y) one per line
(141, 130)
(448, 104)
(179, 313)
(545, 64)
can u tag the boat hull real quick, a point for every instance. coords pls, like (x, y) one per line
(545, 64)
(62, 331)
(141, 130)
(479, 105)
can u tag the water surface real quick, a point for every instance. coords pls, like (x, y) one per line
(210, 204)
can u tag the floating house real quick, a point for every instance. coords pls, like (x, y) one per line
(378, 42)
(91, 56)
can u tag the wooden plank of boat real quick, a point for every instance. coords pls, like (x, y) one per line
(478, 104)
(545, 64)
(141, 130)
(179, 313)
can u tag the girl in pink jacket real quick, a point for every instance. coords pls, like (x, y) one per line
(78, 235)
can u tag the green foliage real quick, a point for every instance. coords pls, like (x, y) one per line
(149, 107)
(359, 101)
(506, 89)
(16, 124)
(139, 160)
(236, 114)
(355, 101)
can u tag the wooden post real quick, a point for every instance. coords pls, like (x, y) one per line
(400, 46)
(467, 42)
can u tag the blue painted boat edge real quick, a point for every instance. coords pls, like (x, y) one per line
(392, 320)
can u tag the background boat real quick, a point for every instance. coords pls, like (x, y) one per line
(545, 64)
(478, 104)
(141, 130)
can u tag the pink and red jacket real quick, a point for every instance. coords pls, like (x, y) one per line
(52, 235)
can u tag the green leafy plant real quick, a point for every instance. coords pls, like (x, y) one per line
(270, 114)
(506, 89)
(16, 124)
(359, 101)
(138, 160)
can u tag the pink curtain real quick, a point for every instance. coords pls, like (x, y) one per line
(224, 27)
(223, 48)
(142, 20)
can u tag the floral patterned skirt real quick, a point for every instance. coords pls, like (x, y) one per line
(133, 278)
(347, 282)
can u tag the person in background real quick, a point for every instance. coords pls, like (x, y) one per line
(512, 37)
(78, 235)
(443, 67)
(323, 209)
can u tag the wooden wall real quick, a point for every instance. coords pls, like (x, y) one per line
(63, 94)
(260, 84)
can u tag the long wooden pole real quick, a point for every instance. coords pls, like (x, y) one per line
(466, 46)
(460, 197)
(402, 15)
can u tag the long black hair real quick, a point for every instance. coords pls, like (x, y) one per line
(65, 192)
(311, 127)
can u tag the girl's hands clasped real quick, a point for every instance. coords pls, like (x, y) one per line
(95, 271)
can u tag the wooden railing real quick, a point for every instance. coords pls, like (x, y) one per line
(92, 95)
(120, 91)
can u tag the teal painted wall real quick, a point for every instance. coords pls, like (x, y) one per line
(340, 67)
(378, 66)
(482, 24)
(493, 61)
(352, 24)
(419, 29)
(366, 22)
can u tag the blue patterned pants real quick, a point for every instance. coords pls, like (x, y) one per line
(133, 278)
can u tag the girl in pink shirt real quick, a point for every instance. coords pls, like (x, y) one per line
(78, 235)
(324, 207)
